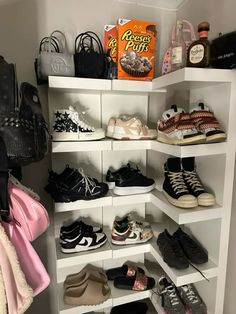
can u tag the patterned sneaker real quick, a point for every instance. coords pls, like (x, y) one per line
(129, 128)
(192, 299)
(174, 187)
(130, 234)
(176, 127)
(170, 300)
(206, 123)
(69, 125)
(194, 184)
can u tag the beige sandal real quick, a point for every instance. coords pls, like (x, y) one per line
(89, 293)
(88, 272)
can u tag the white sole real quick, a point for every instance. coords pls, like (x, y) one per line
(181, 203)
(79, 249)
(64, 137)
(216, 138)
(207, 202)
(109, 134)
(161, 137)
(111, 185)
(127, 242)
(133, 189)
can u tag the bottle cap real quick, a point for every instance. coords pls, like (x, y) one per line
(203, 26)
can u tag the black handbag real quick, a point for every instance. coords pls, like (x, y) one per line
(90, 59)
(22, 127)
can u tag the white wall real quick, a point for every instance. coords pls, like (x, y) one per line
(221, 16)
(22, 24)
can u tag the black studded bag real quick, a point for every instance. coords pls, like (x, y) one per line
(22, 126)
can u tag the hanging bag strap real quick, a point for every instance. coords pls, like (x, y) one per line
(4, 206)
(64, 48)
(188, 29)
(44, 43)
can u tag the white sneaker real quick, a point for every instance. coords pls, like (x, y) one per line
(70, 125)
(129, 128)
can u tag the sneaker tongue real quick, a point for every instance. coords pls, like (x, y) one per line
(171, 112)
(173, 164)
(188, 163)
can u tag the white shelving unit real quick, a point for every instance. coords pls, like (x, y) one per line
(215, 165)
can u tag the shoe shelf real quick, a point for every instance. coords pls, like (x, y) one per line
(70, 84)
(128, 145)
(191, 78)
(68, 260)
(189, 275)
(184, 216)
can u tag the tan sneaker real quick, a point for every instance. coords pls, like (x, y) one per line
(130, 129)
(110, 127)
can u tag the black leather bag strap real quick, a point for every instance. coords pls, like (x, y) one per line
(4, 205)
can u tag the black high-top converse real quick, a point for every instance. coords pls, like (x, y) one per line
(194, 184)
(174, 187)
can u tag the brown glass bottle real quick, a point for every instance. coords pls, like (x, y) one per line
(199, 51)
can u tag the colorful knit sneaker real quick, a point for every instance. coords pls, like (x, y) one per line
(174, 187)
(129, 128)
(205, 121)
(192, 299)
(176, 127)
(170, 299)
(194, 184)
(130, 234)
(70, 125)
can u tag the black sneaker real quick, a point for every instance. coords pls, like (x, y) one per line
(111, 176)
(194, 184)
(174, 187)
(70, 231)
(77, 186)
(171, 251)
(192, 299)
(170, 299)
(133, 182)
(84, 240)
(194, 252)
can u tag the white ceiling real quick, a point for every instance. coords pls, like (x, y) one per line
(161, 4)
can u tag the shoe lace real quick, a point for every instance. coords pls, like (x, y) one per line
(190, 294)
(192, 179)
(83, 122)
(177, 182)
(89, 182)
(171, 294)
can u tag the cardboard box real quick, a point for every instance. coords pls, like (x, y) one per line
(136, 46)
(110, 47)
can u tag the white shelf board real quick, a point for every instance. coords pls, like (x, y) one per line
(76, 146)
(118, 200)
(189, 275)
(120, 145)
(81, 204)
(68, 260)
(119, 251)
(190, 150)
(134, 86)
(187, 78)
(75, 83)
(184, 216)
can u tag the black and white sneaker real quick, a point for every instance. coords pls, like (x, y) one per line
(84, 240)
(174, 187)
(70, 125)
(73, 185)
(194, 183)
(133, 181)
(70, 231)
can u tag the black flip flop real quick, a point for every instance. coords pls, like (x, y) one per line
(125, 270)
(138, 283)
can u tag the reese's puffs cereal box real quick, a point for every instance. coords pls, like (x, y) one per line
(136, 45)
(110, 48)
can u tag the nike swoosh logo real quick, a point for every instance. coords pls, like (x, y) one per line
(85, 243)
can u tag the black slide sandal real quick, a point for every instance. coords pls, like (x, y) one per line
(139, 283)
(125, 270)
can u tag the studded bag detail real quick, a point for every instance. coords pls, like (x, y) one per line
(22, 127)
